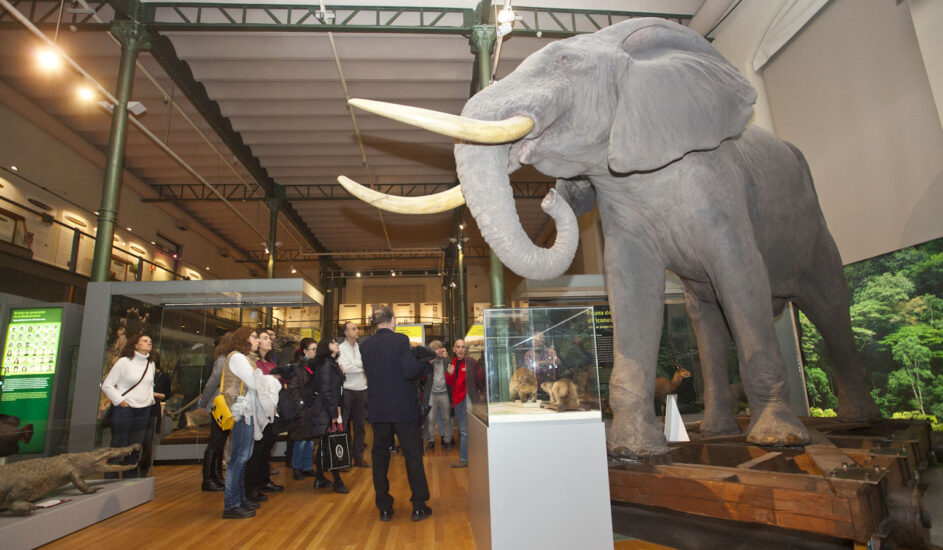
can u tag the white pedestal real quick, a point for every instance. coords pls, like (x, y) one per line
(539, 485)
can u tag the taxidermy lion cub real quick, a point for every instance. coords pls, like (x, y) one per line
(523, 385)
(563, 392)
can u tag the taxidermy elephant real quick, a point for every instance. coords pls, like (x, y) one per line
(648, 121)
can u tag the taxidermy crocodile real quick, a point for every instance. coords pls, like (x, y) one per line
(27, 480)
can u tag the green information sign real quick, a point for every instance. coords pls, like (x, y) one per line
(30, 352)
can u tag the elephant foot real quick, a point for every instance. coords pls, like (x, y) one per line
(858, 408)
(777, 425)
(636, 441)
(720, 424)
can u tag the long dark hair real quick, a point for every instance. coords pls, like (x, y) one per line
(323, 350)
(132, 343)
(300, 352)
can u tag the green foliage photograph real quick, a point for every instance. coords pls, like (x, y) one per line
(897, 319)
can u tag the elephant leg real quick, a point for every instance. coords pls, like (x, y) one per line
(636, 280)
(742, 286)
(713, 339)
(825, 299)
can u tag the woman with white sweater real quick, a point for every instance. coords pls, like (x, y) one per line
(130, 387)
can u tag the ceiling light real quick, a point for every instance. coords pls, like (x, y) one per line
(96, 213)
(358, 274)
(86, 93)
(461, 226)
(393, 273)
(207, 268)
(293, 269)
(14, 168)
(266, 250)
(154, 243)
(48, 60)
(129, 229)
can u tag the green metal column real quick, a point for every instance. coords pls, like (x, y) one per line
(133, 38)
(273, 205)
(483, 38)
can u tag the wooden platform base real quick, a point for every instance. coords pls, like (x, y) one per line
(853, 481)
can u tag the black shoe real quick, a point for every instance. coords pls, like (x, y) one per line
(421, 512)
(321, 483)
(297, 474)
(271, 487)
(449, 445)
(430, 446)
(394, 449)
(250, 505)
(256, 496)
(339, 487)
(238, 512)
(213, 486)
(386, 515)
(309, 473)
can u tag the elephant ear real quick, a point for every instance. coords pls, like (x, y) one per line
(677, 95)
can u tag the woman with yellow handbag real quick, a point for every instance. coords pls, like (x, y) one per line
(213, 456)
(237, 381)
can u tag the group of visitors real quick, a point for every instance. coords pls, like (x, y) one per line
(326, 388)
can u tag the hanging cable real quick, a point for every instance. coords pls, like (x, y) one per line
(353, 120)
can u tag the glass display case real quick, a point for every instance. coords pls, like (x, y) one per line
(535, 364)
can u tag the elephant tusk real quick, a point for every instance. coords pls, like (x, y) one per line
(466, 129)
(430, 204)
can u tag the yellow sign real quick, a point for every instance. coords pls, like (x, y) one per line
(415, 333)
(476, 330)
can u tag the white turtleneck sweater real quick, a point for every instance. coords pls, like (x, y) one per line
(126, 373)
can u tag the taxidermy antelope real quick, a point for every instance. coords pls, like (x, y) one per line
(663, 386)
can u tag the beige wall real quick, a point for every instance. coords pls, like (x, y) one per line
(852, 91)
(927, 16)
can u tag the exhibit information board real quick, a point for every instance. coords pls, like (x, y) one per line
(30, 352)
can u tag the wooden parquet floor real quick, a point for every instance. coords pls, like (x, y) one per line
(181, 516)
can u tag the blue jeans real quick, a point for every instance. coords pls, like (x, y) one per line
(128, 426)
(241, 449)
(461, 417)
(301, 453)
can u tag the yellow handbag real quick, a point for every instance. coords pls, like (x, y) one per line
(220, 409)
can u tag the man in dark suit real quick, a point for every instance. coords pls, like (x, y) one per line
(393, 408)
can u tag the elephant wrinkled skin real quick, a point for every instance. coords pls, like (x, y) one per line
(649, 119)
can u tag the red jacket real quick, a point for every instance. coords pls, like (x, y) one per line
(457, 379)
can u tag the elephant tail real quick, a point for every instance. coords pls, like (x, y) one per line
(804, 166)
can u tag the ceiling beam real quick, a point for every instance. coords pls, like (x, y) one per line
(247, 16)
(194, 192)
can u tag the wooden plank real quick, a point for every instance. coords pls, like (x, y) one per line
(824, 453)
(728, 500)
(759, 460)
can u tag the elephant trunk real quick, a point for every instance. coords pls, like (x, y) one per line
(482, 171)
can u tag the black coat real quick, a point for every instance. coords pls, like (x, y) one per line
(316, 397)
(392, 371)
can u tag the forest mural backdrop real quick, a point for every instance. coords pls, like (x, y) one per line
(897, 319)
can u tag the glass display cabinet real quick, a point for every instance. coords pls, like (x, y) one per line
(534, 391)
(535, 364)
